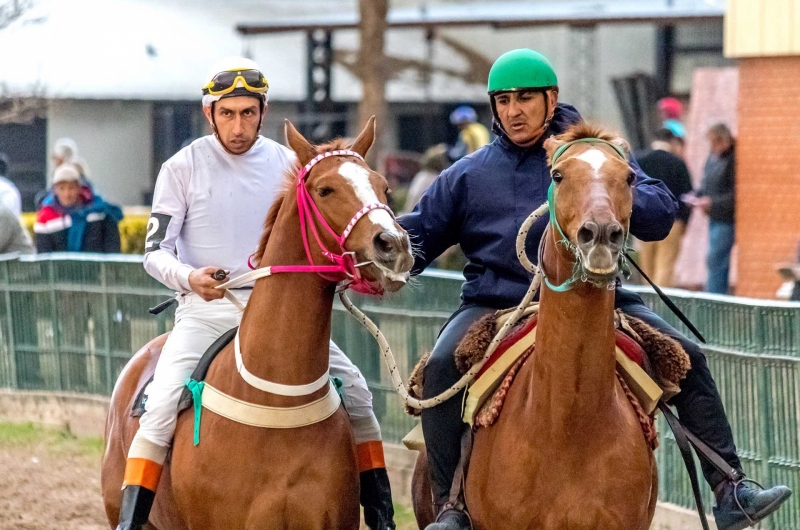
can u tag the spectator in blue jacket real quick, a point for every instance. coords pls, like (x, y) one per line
(480, 202)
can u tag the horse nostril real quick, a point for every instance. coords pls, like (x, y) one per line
(616, 235)
(587, 233)
(384, 242)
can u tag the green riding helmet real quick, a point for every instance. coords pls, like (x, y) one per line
(522, 69)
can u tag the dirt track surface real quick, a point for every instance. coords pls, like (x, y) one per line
(49, 480)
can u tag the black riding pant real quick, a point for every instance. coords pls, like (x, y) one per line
(699, 405)
(442, 425)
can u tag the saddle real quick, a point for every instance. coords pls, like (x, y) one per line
(199, 374)
(650, 366)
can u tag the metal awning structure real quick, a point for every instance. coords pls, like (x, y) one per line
(504, 15)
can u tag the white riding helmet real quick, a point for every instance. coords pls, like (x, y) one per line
(234, 76)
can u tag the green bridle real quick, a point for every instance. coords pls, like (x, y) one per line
(563, 239)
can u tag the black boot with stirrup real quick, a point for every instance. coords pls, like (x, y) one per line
(136, 504)
(376, 498)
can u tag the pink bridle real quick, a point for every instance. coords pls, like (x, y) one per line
(343, 263)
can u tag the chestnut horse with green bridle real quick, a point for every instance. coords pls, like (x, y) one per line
(242, 476)
(568, 451)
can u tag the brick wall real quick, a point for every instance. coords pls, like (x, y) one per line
(768, 171)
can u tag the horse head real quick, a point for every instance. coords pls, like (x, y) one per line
(350, 198)
(590, 199)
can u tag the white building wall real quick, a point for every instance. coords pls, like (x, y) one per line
(622, 50)
(114, 137)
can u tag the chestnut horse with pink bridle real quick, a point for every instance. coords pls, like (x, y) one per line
(242, 476)
(568, 451)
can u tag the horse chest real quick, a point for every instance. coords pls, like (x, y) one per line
(243, 477)
(534, 474)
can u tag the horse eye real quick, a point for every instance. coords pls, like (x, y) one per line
(557, 178)
(322, 192)
(631, 178)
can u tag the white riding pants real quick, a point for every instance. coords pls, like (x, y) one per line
(197, 325)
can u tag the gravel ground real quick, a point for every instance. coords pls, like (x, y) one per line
(50, 480)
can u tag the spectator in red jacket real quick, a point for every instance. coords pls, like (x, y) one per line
(74, 219)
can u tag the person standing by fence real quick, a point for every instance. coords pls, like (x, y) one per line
(716, 197)
(657, 258)
(13, 238)
(9, 194)
(472, 135)
(74, 219)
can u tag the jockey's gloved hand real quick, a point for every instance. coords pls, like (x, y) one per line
(203, 283)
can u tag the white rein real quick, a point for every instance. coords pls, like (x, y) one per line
(386, 350)
(468, 377)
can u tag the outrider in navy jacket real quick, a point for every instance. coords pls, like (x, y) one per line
(482, 200)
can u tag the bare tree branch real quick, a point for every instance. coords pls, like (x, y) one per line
(23, 110)
(11, 10)
(391, 67)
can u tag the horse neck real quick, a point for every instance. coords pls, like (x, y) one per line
(574, 366)
(286, 326)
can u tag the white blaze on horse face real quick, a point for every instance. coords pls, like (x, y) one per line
(595, 158)
(358, 177)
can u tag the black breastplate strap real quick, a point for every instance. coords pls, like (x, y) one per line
(670, 304)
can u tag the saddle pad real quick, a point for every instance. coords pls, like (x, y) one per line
(511, 342)
(629, 355)
(199, 374)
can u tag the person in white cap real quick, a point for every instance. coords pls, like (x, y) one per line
(74, 219)
(65, 151)
(190, 236)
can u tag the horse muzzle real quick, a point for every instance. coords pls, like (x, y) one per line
(600, 245)
(392, 257)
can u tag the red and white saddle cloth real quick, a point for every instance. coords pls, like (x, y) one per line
(650, 366)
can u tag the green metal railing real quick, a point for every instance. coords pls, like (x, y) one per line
(70, 322)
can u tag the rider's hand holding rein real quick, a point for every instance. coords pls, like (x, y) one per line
(203, 283)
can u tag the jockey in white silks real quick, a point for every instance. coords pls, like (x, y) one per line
(195, 230)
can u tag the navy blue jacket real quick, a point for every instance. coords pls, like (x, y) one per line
(482, 200)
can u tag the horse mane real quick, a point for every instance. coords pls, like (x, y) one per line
(585, 129)
(286, 186)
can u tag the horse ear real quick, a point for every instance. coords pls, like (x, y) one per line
(365, 139)
(297, 143)
(551, 145)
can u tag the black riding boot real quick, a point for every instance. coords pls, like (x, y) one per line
(701, 411)
(451, 518)
(753, 504)
(376, 498)
(136, 504)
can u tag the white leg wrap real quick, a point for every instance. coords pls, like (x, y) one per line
(366, 429)
(142, 448)
(358, 398)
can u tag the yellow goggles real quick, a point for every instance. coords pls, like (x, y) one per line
(226, 82)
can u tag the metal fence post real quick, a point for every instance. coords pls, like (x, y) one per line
(106, 327)
(56, 322)
(12, 352)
